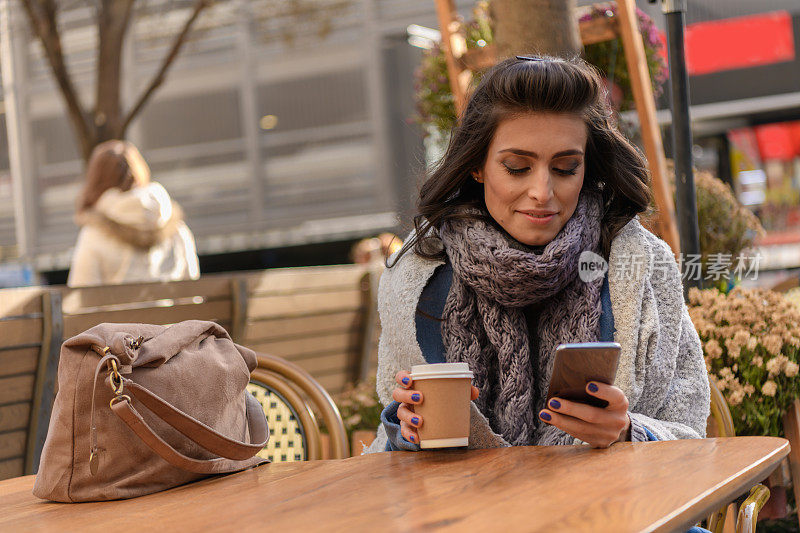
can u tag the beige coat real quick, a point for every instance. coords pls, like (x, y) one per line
(133, 236)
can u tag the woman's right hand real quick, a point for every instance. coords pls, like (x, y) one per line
(408, 398)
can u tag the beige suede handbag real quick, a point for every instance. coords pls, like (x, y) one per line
(143, 408)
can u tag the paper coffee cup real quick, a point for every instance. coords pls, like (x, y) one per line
(446, 391)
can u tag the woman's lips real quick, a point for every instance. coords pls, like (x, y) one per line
(539, 220)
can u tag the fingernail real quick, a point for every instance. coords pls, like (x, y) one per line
(411, 437)
(592, 387)
(545, 416)
(555, 404)
(405, 381)
(415, 397)
(415, 421)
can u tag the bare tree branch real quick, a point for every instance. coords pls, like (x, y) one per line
(160, 76)
(42, 17)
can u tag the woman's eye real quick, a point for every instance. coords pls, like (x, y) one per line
(566, 171)
(513, 170)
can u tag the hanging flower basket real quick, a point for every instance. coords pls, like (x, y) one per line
(435, 109)
(609, 57)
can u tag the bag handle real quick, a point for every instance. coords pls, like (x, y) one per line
(128, 414)
(235, 455)
(202, 434)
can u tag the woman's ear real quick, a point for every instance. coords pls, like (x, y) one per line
(477, 176)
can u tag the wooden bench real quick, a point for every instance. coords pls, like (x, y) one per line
(317, 317)
(163, 303)
(30, 340)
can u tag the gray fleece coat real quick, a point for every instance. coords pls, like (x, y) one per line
(661, 367)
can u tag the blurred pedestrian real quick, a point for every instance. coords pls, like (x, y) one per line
(375, 250)
(366, 251)
(131, 231)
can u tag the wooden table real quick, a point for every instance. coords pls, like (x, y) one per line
(629, 487)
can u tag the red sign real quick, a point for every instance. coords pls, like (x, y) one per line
(778, 141)
(740, 42)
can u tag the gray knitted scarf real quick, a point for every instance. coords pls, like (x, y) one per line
(494, 279)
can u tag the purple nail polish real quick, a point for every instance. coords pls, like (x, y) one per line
(415, 397)
(411, 437)
(415, 420)
(405, 381)
(592, 387)
(545, 416)
(555, 404)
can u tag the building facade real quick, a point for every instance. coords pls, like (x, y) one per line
(286, 122)
(276, 126)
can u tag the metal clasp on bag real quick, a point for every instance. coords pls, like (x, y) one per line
(119, 398)
(115, 378)
(137, 343)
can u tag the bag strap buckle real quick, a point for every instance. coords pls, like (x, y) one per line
(115, 378)
(119, 398)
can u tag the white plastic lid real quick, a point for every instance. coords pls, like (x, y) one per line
(441, 370)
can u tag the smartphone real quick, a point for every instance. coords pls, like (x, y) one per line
(579, 363)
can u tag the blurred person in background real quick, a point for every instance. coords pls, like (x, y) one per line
(375, 249)
(131, 231)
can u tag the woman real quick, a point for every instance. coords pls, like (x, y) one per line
(535, 175)
(130, 229)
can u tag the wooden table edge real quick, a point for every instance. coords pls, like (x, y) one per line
(692, 512)
(699, 509)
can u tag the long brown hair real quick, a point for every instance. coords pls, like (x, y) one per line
(614, 166)
(112, 164)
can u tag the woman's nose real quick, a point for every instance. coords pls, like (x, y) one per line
(540, 187)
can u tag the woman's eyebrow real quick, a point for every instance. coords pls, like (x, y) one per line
(567, 152)
(534, 155)
(519, 151)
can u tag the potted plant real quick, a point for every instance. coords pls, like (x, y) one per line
(727, 228)
(751, 341)
(361, 413)
(435, 107)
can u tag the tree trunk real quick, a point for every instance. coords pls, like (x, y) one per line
(114, 17)
(530, 27)
(108, 121)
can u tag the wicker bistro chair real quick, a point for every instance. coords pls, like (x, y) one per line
(290, 398)
(720, 424)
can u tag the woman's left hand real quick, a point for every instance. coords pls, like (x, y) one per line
(599, 426)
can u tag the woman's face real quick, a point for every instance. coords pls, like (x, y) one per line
(534, 173)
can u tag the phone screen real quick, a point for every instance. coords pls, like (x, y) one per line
(577, 364)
